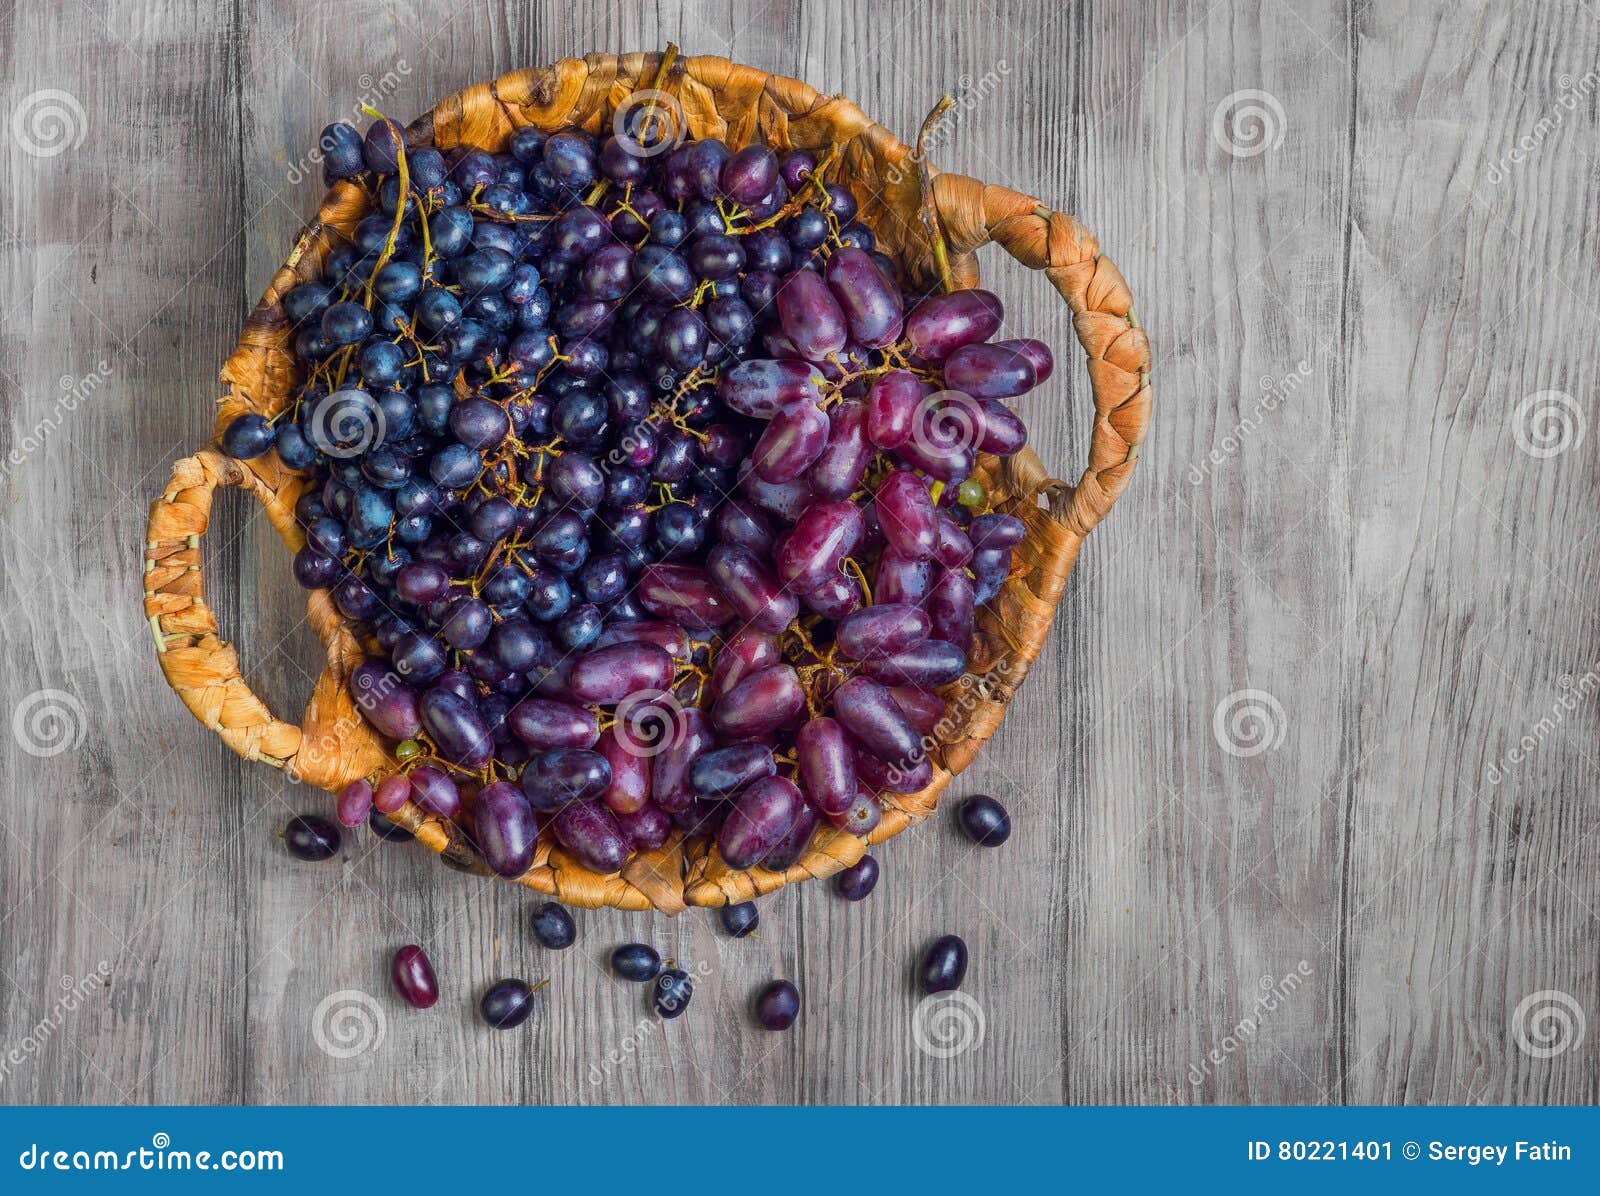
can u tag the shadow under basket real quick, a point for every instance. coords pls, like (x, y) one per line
(333, 744)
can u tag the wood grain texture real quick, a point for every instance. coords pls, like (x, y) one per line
(1333, 526)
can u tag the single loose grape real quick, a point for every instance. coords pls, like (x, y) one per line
(984, 820)
(553, 926)
(741, 919)
(778, 1005)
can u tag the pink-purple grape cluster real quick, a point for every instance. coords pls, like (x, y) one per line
(650, 485)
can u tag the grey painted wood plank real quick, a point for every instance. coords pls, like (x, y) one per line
(106, 829)
(1472, 880)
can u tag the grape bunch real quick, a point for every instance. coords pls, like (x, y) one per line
(649, 487)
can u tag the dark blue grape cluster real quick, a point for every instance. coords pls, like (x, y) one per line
(605, 440)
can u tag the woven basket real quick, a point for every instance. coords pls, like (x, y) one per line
(333, 745)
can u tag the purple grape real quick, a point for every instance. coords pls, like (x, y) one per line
(864, 814)
(881, 630)
(724, 771)
(903, 776)
(684, 595)
(788, 850)
(413, 978)
(989, 371)
(750, 588)
(892, 409)
(507, 1004)
(647, 828)
(786, 500)
(856, 882)
(636, 961)
(749, 174)
(835, 598)
(905, 516)
(902, 581)
(996, 531)
(542, 724)
(589, 832)
(926, 665)
(746, 525)
(953, 549)
(393, 792)
(671, 993)
(1038, 354)
(553, 926)
(506, 832)
(950, 606)
(827, 767)
(826, 532)
(940, 453)
(778, 1005)
(740, 920)
(758, 704)
(944, 965)
(760, 817)
(355, 803)
(984, 820)
(384, 700)
(1003, 433)
(311, 838)
(670, 638)
(605, 676)
(457, 728)
(838, 470)
(939, 326)
(564, 776)
(794, 438)
(761, 389)
(866, 707)
(434, 791)
(745, 652)
(629, 789)
(669, 770)
(810, 316)
(871, 303)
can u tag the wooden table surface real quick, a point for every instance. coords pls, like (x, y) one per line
(1304, 786)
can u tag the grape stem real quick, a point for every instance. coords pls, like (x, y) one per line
(930, 211)
(400, 203)
(648, 125)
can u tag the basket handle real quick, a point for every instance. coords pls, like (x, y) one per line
(332, 745)
(972, 214)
